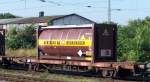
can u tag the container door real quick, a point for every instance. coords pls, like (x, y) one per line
(105, 42)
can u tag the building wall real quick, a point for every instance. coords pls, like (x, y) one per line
(71, 20)
(10, 26)
(1, 26)
(68, 20)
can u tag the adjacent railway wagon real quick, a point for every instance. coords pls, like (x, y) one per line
(2, 42)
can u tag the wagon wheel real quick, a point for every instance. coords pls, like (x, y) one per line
(36, 67)
(104, 73)
(107, 73)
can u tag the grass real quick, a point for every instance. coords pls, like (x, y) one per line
(51, 76)
(21, 52)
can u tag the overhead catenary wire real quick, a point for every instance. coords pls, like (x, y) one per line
(102, 8)
(66, 4)
(90, 6)
(81, 6)
(37, 7)
(6, 3)
(22, 9)
(52, 2)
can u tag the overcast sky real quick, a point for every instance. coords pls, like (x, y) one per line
(130, 9)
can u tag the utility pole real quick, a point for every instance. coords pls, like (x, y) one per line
(109, 11)
(25, 3)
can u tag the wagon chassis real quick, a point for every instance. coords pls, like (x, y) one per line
(105, 69)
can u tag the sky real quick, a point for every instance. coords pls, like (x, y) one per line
(96, 10)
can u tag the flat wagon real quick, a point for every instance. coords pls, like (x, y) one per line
(79, 48)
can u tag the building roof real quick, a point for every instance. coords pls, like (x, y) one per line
(76, 15)
(32, 20)
(7, 21)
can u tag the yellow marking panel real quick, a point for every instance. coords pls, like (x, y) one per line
(88, 58)
(65, 42)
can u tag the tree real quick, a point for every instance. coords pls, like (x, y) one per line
(21, 38)
(134, 41)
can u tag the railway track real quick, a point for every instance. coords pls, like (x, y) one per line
(15, 78)
(18, 78)
(109, 79)
(21, 78)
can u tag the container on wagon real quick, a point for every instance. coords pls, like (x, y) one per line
(90, 42)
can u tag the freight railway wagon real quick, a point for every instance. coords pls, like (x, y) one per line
(82, 48)
(79, 48)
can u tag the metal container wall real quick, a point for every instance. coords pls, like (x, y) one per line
(66, 43)
(86, 42)
(105, 42)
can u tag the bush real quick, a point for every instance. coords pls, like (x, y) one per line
(134, 41)
(24, 37)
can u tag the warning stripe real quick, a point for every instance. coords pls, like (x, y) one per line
(65, 42)
(88, 58)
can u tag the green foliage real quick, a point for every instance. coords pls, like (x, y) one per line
(50, 23)
(7, 15)
(134, 41)
(24, 37)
